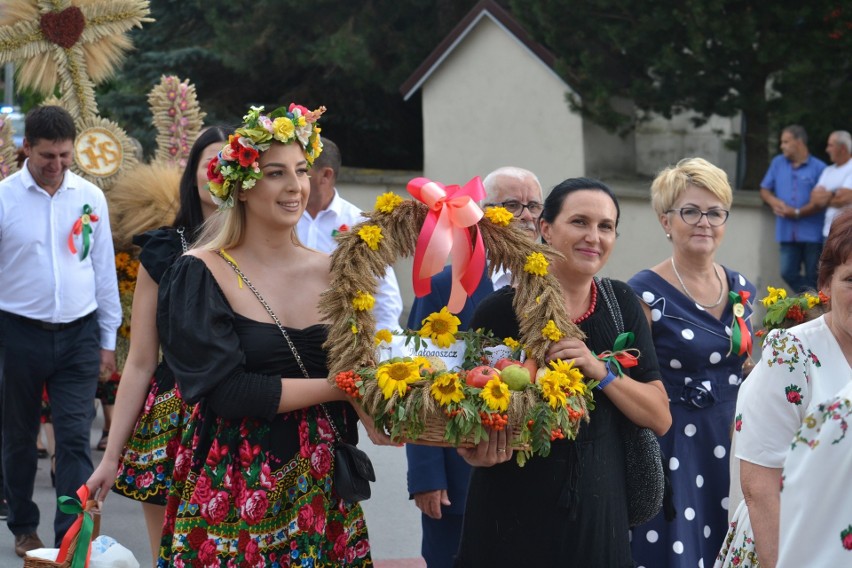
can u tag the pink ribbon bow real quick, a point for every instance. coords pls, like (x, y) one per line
(452, 210)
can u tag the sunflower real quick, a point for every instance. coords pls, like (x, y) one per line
(441, 327)
(496, 395)
(447, 389)
(396, 376)
(551, 389)
(571, 378)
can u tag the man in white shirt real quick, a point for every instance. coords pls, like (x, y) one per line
(834, 187)
(59, 312)
(328, 214)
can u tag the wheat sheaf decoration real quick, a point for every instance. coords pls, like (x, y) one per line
(391, 231)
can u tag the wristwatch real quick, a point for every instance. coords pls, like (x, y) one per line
(797, 212)
(610, 376)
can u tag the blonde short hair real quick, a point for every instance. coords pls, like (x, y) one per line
(672, 181)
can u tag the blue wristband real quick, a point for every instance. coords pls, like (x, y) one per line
(607, 379)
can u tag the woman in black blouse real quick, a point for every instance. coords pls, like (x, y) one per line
(570, 508)
(253, 481)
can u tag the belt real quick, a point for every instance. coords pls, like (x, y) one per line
(50, 326)
(696, 395)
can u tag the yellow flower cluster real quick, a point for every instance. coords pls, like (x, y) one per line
(387, 202)
(499, 216)
(383, 335)
(812, 300)
(551, 332)
(363, 301)
(559, 381)
(371, 234)
(511, 343)
(536, 264)
(775, 294)
(441, 327)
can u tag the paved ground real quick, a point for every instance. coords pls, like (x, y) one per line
(393, 521)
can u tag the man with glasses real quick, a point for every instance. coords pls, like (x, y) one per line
(438, 477)
(787, 188)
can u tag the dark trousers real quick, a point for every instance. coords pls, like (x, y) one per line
(441, 539)
(795, 257)
(67, 362)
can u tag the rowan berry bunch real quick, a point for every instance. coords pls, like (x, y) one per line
(346, 381)
(494, 421)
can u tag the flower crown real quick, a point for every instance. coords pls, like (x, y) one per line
(236, 166)
(783, 311)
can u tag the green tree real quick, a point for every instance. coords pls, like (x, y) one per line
(349, 56)
(771, 61)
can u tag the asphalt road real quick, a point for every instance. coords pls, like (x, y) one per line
(392, 520)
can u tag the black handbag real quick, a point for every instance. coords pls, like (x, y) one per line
(645, 473)
(353, 470)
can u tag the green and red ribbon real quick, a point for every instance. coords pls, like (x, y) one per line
(81, 530)
(83, 227)
(622, 355)
(741, 343)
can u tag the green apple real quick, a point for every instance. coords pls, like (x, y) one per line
(516, 377)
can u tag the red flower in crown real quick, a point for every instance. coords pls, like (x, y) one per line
(300, 107)
(212, 173)
(247, 156)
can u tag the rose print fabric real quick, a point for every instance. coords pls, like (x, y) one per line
(816, 504)
(799, 367)
(145, 467)
(251, 487)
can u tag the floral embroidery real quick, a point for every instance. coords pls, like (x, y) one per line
(794, 394)
(846, 537)
(738, 422)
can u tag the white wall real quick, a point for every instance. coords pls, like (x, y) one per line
(493, 103)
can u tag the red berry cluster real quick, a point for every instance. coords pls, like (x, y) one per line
(346, 382)
(574, 415)
(494, 421)
(557, 434)
(795, 313)
(452, 413)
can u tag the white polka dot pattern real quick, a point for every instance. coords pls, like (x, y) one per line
(689, 513)
(687, 334)
(690, 430)
(675, 364)
(715, 357)
(674, 463)
(677, 546)
(699, 481)
(647, 297)
(720, 452)
(652, 536)
(656, 314)
(706, 531)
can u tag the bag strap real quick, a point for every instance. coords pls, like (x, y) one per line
(608, 295)
(283, 331)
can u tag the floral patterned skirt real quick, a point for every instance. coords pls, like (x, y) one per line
(738, 548)
(235, 503)
(145, 470)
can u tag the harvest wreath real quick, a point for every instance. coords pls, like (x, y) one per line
(422, 399)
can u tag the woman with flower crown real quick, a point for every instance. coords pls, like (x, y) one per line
(240, 327)
(150, 413)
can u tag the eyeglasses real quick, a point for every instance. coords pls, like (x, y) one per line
(692, 216)
(516, 208)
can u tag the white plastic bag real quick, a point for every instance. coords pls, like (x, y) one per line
(107, 553)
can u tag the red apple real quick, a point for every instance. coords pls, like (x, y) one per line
(505, 362)
(478, 376)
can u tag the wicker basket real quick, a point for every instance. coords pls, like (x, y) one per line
(92, 509)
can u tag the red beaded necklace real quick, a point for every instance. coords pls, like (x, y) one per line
(592, 305)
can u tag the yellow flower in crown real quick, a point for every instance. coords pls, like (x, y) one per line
(383, 336)
(395, 376)
(551, 390)
(551, 332)
(236, 166)
(387, 202)
(775, 294)
(812, 300)
(571, 378)
(363, 301)
(496, 395)
(447, 389)
(441, 327)
(499, 216)
(536, 264)
(371, 234)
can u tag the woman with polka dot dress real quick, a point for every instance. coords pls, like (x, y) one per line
(699, 312)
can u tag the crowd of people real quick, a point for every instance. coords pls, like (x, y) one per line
(225, 429)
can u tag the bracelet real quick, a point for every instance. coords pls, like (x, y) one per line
(607, 379)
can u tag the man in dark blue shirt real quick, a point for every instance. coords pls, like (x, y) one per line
(787, 188)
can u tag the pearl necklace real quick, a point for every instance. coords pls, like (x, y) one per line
(691, 297)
